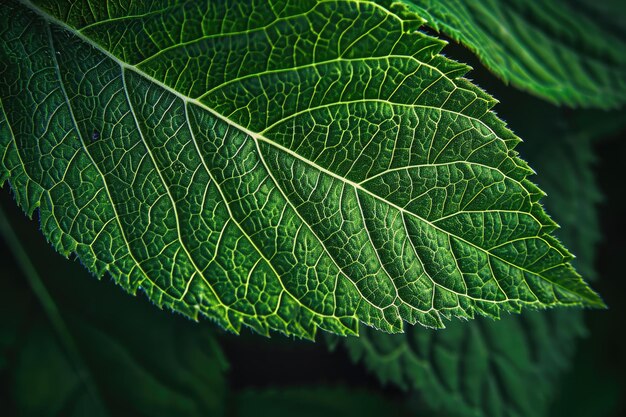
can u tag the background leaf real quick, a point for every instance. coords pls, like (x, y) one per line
(563, 51)
(126, 358)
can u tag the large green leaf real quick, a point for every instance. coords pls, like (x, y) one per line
(557, 49)
(282, 165)
(507, 367)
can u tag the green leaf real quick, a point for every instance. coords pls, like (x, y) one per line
(559, 50)
(282, 166)
(508, 367)
(113, 356)
(490, 368)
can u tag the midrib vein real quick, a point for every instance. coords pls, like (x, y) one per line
(310, 228)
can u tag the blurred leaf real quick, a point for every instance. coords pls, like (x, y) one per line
(611, 14)
(491, 368)
(563, 158)
(11, 313)
(133, 359)
(556, 49)
(45, 382)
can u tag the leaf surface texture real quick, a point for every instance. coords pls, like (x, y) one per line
(285, 166)
(557, 49)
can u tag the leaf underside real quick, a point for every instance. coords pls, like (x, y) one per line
(280, 166)
(555, 49)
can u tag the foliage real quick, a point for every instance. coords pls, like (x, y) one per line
(558, 49)
(294, 166)
(354, 178)
(105, 355)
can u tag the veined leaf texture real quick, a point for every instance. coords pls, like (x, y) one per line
(281, 165)
(560, 50)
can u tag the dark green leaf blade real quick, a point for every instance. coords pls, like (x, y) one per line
(337, 170)
(555, 49)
